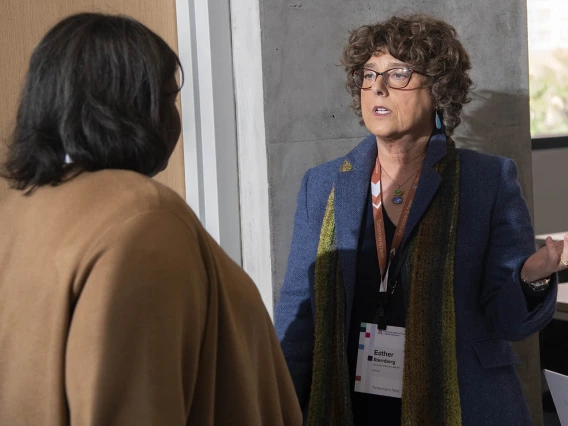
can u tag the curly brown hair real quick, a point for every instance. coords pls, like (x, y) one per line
(426, 44)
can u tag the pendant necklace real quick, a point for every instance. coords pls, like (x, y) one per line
(398, 192)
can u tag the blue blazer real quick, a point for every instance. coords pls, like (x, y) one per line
(494, 238)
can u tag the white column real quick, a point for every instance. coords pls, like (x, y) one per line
(253, 169)
(190, 105)
(208, 113)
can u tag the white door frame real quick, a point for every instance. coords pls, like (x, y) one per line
(253, 156)
(224, 136)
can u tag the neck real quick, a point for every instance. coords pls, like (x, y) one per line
(402, 153)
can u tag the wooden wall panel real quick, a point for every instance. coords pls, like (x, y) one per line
(24, 22)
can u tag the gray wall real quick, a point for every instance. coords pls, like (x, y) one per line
(550, 190)
(307, 117)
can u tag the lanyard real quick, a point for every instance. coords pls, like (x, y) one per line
(380, 235)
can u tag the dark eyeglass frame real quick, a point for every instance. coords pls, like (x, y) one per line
(385, 75)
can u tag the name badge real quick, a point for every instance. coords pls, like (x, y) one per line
(380, 361)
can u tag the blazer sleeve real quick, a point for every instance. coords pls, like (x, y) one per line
(511, 243)
(135, 336)
(293, 316)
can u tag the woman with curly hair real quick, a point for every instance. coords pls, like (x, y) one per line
(412, 262)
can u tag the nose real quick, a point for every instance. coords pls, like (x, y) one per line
(379, 86)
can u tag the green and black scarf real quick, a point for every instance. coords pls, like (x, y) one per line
(430, 385)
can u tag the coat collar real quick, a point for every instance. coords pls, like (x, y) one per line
(427, 185)
(351, 189)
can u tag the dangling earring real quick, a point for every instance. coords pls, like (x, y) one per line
(438, 121)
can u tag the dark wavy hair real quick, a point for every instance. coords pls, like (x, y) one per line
(95, 90)
(426, 44)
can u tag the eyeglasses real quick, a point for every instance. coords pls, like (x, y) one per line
(395, 78)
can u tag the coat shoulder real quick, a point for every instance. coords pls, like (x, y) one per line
(319, 181)
(328, 169)
(480, 161)
(321, 177)
(483, 176)
(480, 167)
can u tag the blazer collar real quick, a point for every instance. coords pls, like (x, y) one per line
(427, 185)
(351, 186)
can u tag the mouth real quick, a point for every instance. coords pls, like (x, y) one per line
(379, 110)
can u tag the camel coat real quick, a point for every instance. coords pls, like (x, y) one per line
(118, 308)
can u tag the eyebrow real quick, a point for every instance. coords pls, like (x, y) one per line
(390, 65)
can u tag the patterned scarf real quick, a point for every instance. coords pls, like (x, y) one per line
(430, 384)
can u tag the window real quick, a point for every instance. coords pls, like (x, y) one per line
(548, 67)
(542, 14)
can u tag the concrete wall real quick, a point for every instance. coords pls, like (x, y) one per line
(307, 117)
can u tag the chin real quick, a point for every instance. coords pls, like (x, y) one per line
(384, 133)
(380, 130)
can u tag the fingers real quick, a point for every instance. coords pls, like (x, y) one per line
(564, 253)
(558, 246)
(552, 251)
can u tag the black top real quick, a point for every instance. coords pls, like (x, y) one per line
(372, 409)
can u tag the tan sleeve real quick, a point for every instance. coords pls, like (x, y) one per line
(136, 331)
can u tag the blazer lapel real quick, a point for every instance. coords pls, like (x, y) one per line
(427, 185)
(351, 187)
